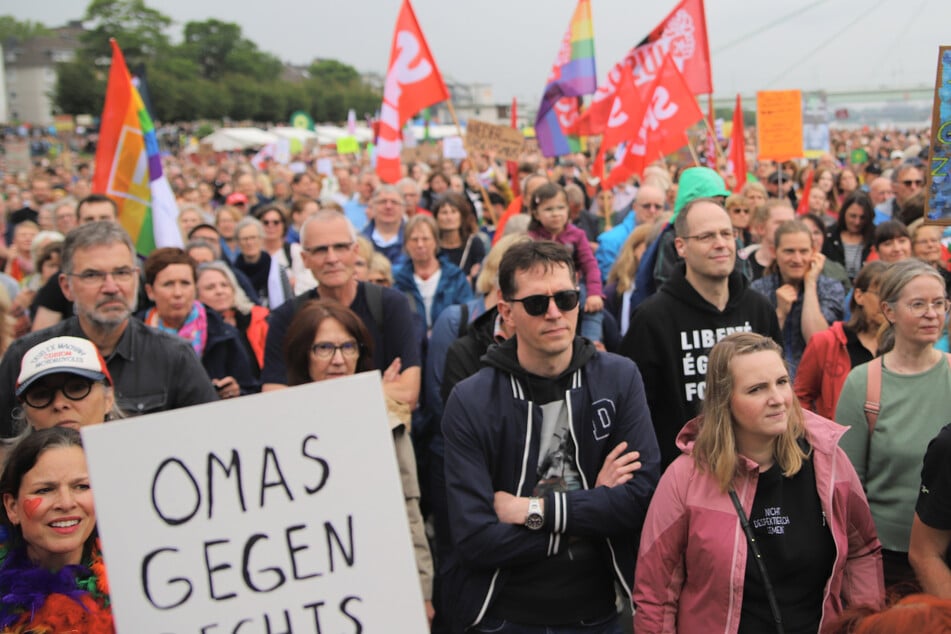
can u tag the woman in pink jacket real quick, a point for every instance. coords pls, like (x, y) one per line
(761, 525)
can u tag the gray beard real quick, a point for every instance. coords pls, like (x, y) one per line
(106, 325)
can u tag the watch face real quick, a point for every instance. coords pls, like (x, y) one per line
(534, 521)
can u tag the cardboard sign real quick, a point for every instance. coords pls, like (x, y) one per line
(348, 145)
(779, 124)
(507, 142)
(815, 124)
(938, 188)
(18, 155)
(279, 512)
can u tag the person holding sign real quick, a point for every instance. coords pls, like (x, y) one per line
(52, 578)
(326, 340)
(550, 462)
(63, 382)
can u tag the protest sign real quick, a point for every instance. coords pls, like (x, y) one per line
(18, 155)
(453, 148)
(348, 145)
(779, 124)
(505, 141)
(815, 124)
(280, 511)
(938, 188)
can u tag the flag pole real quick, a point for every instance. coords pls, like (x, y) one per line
(693, 153)
(712, 133)
(452, 113)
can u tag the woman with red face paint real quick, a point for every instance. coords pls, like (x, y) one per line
(52, 578)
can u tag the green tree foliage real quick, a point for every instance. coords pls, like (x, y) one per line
(139, 30)
(13, 29)
(215, 72)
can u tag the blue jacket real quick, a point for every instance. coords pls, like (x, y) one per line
(492, 437)
(611, 242)
(453, 288)
(394, 252)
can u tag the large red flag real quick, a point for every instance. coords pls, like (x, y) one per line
(737, 155)
(413, 82)
(627, 114)
(803, 207)
(711, 149)
(683, 35)
(672, 111)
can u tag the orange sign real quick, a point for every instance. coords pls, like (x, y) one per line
(779, 124)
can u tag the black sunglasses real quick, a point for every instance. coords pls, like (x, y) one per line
(536, 305)
(75, 388)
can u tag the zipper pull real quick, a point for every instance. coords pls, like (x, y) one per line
(823, 518)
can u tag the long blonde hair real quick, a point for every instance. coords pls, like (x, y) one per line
(625, 266)
(715, 446)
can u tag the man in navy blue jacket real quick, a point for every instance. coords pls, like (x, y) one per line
(551, 461)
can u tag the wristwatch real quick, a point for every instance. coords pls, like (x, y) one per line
(536, 517)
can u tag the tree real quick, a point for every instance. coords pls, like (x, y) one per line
(79, 89)
(13, 29)
(139, 30)
(332, 72)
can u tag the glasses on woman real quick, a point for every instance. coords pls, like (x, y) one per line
(537, 305)
(326, 350)
(75, 388)
(919, 307)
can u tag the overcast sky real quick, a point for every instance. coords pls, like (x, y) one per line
(511, 44)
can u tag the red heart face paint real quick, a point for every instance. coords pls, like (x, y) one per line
(30, 505)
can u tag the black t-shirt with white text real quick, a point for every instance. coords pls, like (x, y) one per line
(797, 547)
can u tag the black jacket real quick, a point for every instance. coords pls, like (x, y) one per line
(670, 337)
(225, 355)
(833, 249)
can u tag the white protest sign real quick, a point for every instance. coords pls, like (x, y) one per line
(453, 148)
(280, 512)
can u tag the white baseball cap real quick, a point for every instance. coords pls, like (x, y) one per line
(70, 355)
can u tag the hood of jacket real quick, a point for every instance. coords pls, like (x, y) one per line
(678, 286)
(822, 434)
(505, 357)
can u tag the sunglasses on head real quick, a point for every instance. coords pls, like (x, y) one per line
(536, 305)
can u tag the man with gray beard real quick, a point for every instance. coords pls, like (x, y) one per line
(152, 370)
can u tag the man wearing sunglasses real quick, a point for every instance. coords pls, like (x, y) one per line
(907, 180)
(153, 371)
(550, 464)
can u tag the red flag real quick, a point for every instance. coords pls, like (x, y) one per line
(672, 111)
(804, 200)
(683, 35)
(737, 156)
(413, 82)
(627, 114)
(512, 166)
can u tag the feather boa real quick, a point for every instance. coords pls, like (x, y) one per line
(34, 600)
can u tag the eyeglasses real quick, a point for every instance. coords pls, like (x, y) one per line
(249, 238)
(389, 201)
(75, 388)
(536, 305)
(651, 205)
(709, 236)
(326, 350)
(919, 307)
(92, 277)
(916, 182)
(737, 210)
(379, 281)
(928, 241)
(321, 250)
(271, 223)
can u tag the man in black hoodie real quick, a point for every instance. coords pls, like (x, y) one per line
(550, 464)
(704, 300)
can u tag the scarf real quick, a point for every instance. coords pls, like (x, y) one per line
(195, 328)
(38, 601)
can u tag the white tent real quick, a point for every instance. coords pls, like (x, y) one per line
(298, 134)
(231, 139)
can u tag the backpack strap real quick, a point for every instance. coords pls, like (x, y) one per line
(375, 302)
(463, 320)
(873, 393)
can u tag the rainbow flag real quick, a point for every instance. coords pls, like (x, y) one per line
(572, 75)
(129, 167)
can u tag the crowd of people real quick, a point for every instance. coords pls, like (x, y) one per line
(677, 405)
